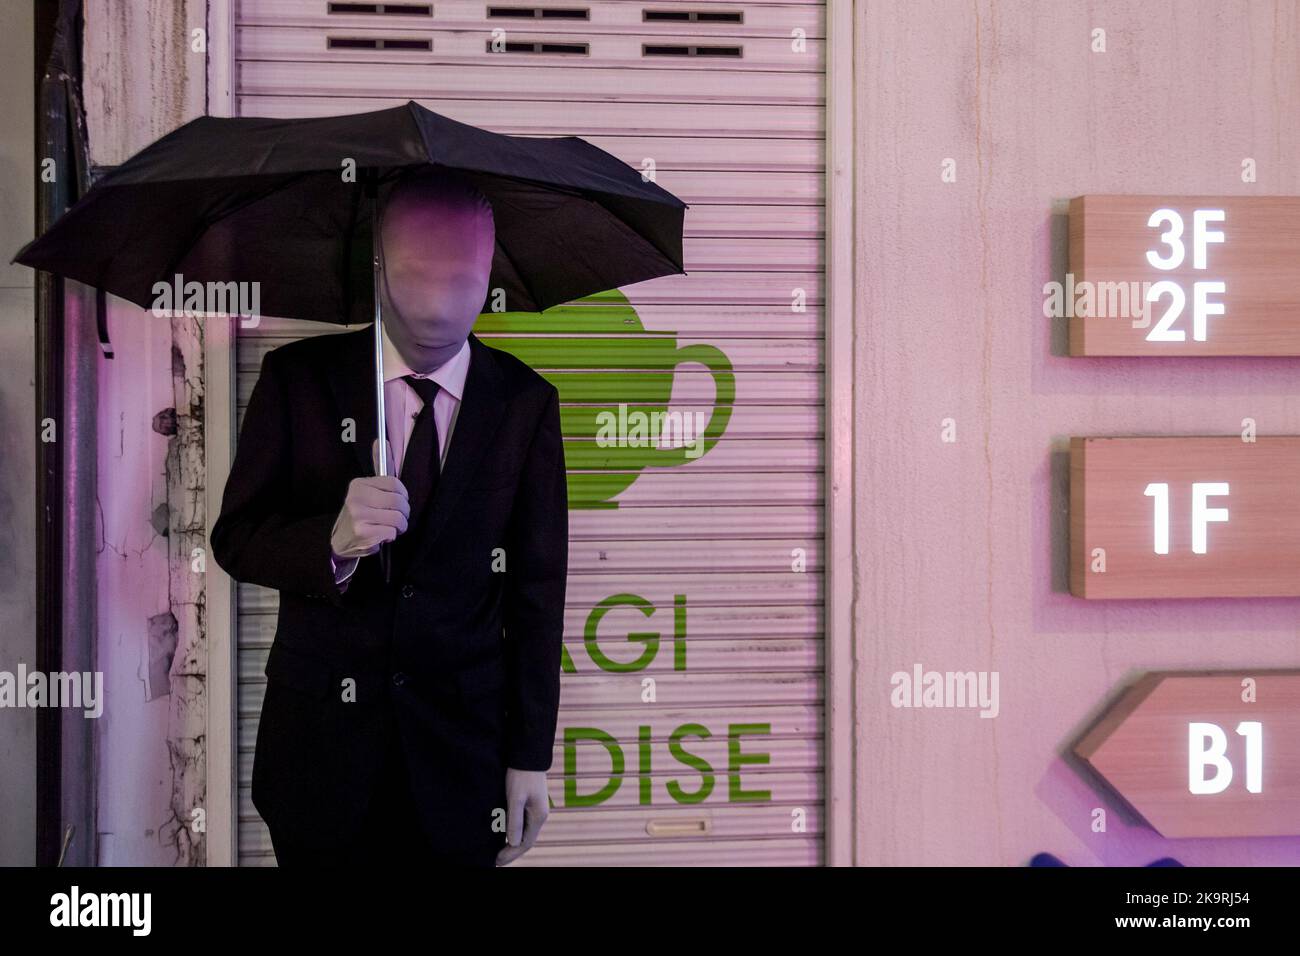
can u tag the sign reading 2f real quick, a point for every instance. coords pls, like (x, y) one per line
(1172, 256)
(1202, 513)
(1181, 275)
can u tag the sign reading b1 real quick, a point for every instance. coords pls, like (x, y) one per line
(1184, 517)
(1184, 275)
(1205, 754)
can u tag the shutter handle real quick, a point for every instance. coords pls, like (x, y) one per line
(698, 826)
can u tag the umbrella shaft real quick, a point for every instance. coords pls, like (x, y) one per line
(381, 420)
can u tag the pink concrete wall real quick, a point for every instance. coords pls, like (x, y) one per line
(961, 546)
(142, 79)
(134, 767)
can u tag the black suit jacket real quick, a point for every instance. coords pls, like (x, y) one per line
(457, 657)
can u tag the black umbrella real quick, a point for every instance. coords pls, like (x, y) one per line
(290, 204)
(285, 203)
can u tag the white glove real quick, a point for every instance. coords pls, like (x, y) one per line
(375, 510)
(527, 807)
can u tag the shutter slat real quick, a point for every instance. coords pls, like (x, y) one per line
(741, 139)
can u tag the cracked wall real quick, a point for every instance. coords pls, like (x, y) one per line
(142, 80)
(187, 564)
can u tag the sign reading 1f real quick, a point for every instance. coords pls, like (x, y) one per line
(1202, 513)
(1173, 240)
(1185, 517)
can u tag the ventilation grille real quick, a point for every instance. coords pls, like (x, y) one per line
(670, 49)
(692, 16)
(377, 43)
(529, 46)
(538, 13)
(383, 9)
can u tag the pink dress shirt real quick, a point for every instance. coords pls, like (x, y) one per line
(402, 406)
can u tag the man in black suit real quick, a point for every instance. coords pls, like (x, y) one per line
(409, 720)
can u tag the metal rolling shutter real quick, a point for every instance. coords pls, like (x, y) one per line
(700, 554)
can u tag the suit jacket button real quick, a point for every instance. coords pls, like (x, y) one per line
(399, 679)
(407, 590)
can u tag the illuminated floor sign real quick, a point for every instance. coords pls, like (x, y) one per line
(1205, 755)
(1184, 517)
(1183, 275)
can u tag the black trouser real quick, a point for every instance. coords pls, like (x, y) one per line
(390, 835)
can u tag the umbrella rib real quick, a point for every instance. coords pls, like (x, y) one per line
(640, 235)
(523, 279)
(635, 231)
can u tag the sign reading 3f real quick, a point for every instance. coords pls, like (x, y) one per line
(1183, 275)
(1172, 256)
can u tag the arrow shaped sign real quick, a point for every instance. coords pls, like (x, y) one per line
(1204, 754)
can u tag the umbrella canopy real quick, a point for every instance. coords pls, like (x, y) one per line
(288, 203)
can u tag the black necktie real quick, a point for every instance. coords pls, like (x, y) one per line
(420, 467)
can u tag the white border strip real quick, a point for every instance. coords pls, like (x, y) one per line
(219, 447)
(840, 769)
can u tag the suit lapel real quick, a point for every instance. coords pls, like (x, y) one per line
(481, 409)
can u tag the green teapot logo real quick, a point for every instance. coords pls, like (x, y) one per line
(615, 379)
